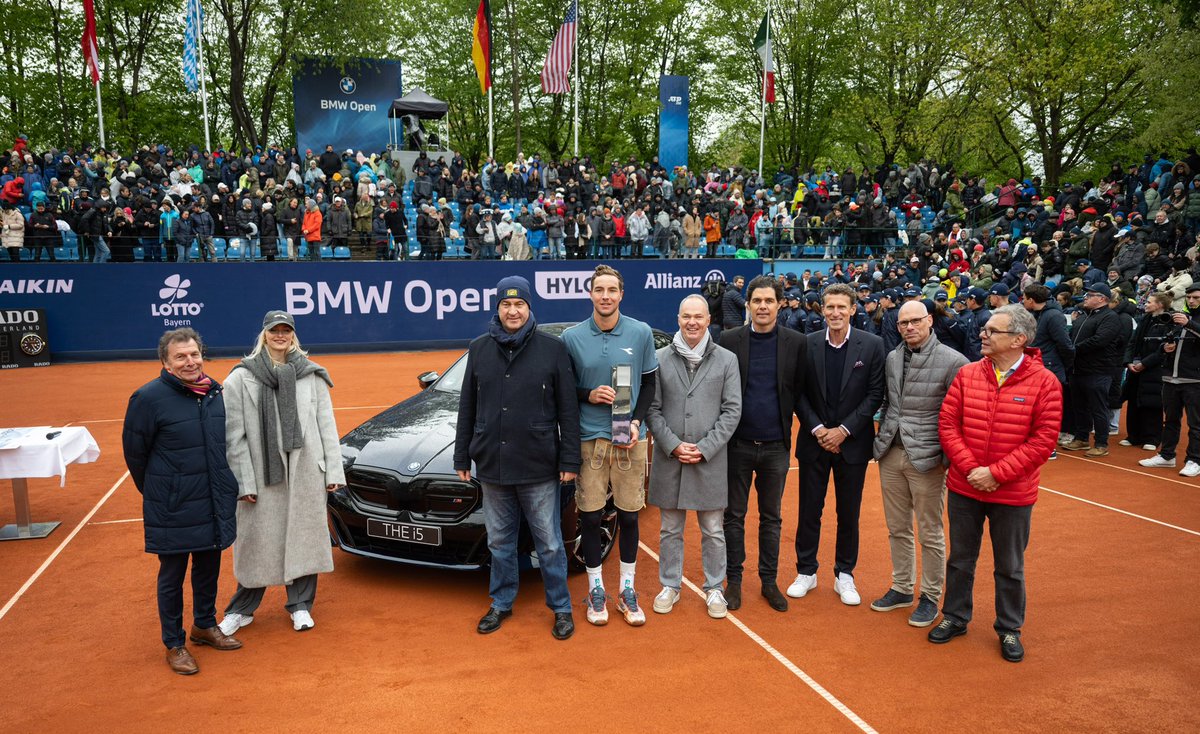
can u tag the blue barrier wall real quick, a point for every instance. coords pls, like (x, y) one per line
(114, 311)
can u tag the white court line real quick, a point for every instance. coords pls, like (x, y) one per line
(1131, 471)
(820, 690)
(116, 522)
(348, 407)
(1119, 510)
(46, 564)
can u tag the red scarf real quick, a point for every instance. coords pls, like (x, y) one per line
(201, 386)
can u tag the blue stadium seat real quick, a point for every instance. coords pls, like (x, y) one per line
(341, 252)
(139, 252)
(302, 250)
(703, 249)
(62, 253)
(194, 252)
(326, 252)
(233, 250)
(219, 245)
(25, 210)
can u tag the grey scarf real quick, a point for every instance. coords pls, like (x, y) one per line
(693, 356)
(280, 400)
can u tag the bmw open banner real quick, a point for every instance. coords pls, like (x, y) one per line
(119, 311)
(344, 106)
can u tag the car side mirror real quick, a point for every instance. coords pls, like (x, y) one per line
(425, 379)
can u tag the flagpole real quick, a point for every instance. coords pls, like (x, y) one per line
(762, 126)
(100, 115)
(491, 129)
(200, 58)
(575, 64)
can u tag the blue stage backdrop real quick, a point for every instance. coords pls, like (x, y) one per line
(344, 106)
(117, 311)
(673, 121)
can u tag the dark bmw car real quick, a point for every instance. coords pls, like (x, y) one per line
(403, 500)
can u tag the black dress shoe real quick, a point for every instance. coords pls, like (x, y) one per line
(564, 626)
(492, 620)
(1011, 648)
(946, 631)
(775, 597)
(733, 595)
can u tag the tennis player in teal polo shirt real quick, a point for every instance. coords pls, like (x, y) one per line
(611, 350)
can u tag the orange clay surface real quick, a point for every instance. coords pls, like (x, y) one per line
(1112, 632)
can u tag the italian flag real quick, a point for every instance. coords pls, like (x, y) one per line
(762, 44)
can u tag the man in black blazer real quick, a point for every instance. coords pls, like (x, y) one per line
(845, 387)
(771, 362)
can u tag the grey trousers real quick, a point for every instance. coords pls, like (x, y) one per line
(301, 594)
(712, 547)
(908, 494)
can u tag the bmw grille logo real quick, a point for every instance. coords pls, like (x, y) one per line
(414, 466)
(347, 85)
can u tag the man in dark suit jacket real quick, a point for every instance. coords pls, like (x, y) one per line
(844, 388)
(771, 362)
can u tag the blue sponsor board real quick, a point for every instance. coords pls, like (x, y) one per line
(344, 106)
(673, 121)
(119, 311)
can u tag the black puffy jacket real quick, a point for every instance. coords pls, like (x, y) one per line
(174, 443)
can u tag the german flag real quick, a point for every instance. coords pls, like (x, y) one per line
(481, 45)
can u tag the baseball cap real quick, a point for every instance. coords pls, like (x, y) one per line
(275, 318)
(999, 289)
(1101, 288)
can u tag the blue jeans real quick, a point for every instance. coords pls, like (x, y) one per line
(102, 252)
(503, 506)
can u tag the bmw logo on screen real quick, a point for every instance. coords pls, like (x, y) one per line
(347, 85)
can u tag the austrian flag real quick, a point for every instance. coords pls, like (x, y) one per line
(762, 44)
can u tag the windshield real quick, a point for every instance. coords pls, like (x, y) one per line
(452, 381)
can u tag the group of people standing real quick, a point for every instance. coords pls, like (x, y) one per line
(721, 408)
(249, 460)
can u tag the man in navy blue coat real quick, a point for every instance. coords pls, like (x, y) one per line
(843, 388)
(174, 442)
(518, 423)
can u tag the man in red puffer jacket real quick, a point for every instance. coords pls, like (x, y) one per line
(998, 425)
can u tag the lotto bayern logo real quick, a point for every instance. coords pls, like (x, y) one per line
(175, 286)
(347, 85)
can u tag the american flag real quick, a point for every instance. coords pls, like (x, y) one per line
(557, 69)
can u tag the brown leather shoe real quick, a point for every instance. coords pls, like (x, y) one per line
(181, 661)
(214, 637)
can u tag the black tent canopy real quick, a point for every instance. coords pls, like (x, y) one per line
(418, 103)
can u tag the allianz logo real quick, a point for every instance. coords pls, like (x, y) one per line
(577, 284)
(174, 288)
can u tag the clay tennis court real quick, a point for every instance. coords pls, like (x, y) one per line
(1111, 636)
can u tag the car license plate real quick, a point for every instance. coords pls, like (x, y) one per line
(406, 532)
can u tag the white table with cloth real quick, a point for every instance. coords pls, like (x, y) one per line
(34, 452)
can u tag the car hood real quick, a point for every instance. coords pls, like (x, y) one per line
(413, 437)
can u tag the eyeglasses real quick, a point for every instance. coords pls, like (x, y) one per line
(990, 332)
(910, 322)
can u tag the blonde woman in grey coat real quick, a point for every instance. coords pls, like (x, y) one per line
(282, 445)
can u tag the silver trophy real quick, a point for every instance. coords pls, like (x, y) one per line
(622, 406)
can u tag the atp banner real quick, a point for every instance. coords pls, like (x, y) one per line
(672, 121)
(344, 106)
(116, 311)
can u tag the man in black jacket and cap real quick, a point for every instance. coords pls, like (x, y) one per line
(1098, 351)
(518, 424)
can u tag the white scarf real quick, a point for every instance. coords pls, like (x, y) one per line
(693, 356)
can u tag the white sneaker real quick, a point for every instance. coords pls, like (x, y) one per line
(803, 584)
(843, 586)
(597, 606)
(1158, 462)
(666, 599)
(1124, 442)
(1190, 469)
(717, 606)
(1149, 447)
(302, 621)
(234, 622)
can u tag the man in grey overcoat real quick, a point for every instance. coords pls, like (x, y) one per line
(697, 406)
